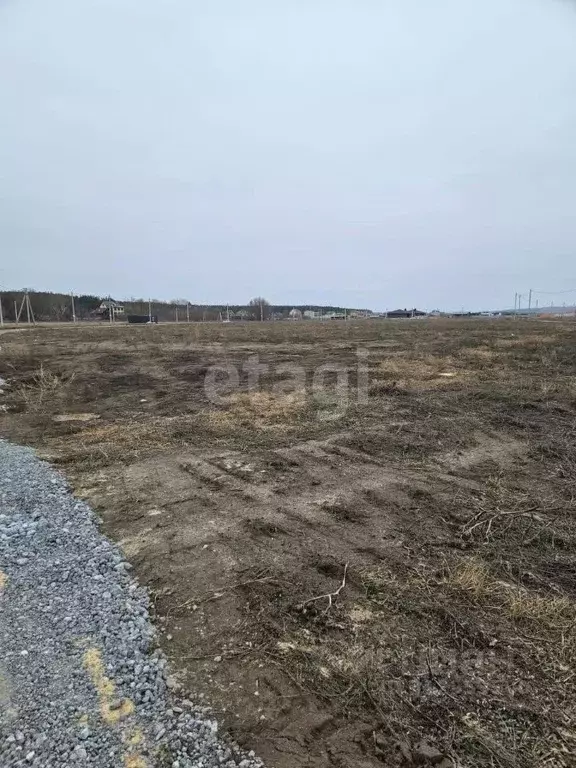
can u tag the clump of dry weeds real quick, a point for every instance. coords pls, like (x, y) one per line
(43, 391)
(473, 577)
(419, 374)
(258, 410)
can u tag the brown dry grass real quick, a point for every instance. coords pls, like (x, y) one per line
(473, 577)
(421, 374)
(482, 353)
(258, 410)
(526, 339)
(129, 434)
(540, 642)
(43, 391)
(457, 619)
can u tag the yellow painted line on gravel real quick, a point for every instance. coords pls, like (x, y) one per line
(112, 709)
(135, 737)
(131, 758)
(134, 761)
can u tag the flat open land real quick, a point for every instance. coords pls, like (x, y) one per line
(381, 578)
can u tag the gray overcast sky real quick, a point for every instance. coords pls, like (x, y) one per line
(367, 152)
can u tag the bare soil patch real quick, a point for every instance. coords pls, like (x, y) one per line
(389, 584)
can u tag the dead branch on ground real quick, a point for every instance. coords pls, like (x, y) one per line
(330, 595)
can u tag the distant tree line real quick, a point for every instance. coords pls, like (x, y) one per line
(57, 307)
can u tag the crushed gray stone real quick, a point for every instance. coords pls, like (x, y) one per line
(82, 682)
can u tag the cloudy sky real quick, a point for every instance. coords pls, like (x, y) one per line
(368, 152)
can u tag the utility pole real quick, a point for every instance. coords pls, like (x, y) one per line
(187, 311)
(110, 311)
(1, 313)
(519, 301)
(73, 308)
(21, 308)
(515, 302)
(530, 299)
(149, 310)
(15, 312)
(176, 310)
(261, 312)
(29, 310)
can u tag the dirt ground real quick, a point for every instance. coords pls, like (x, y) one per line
(384, 584)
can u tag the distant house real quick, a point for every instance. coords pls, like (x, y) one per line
(241, 315)
(406, 313)
(295, 314)
(110, 307)
(311, 314)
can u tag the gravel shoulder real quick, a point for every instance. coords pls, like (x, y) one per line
(81, 679)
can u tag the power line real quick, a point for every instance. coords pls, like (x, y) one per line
(519, 296)
(555, 293)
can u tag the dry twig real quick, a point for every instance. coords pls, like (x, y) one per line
(221, 592)
(330, 595)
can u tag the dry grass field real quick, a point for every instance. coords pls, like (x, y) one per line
(384, 584)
